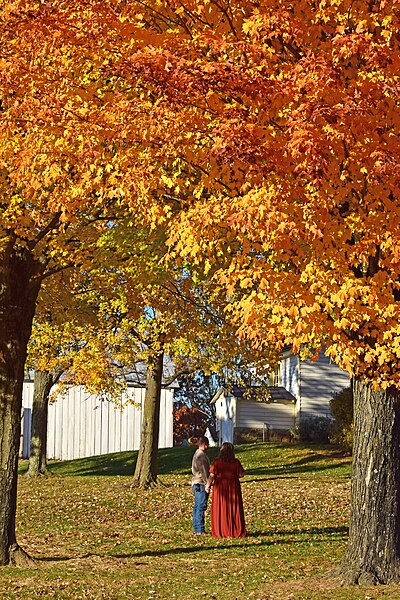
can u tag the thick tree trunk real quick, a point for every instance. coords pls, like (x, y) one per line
(17, 306)
(146, 466)
(43, 382)
(373, 553)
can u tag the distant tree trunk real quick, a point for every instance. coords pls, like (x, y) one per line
(43, 382)
(146, 466)
(17, 305)
(373, 553)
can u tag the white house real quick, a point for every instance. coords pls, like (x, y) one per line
(303, 388)
(82, 424)
(312, 383)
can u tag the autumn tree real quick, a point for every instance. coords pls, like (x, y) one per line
(43, 381)
(146, 472)
(189, 327)
(168, 310)
(49, 356)
(77, 346)
(70, 168)
(280, 126)
(264, 136)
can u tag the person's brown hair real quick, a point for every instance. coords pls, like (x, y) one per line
(226, 452)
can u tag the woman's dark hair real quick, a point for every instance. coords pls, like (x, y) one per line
(226, 452)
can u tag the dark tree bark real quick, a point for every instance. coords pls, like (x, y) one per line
(18, 294)
(373, 552)
(146, 466)
(43, 382)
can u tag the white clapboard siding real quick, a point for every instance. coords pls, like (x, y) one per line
(289, 374)
(26, 421)
(319, 381)
(254, 414)
(226, 416)
(163, 441)
(81, 424)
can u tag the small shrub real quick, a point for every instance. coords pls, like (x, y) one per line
(342, 411)
(315, 429)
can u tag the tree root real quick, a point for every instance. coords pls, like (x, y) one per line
(19, 558)
(38, 474)
(333, 574)
(350, 575)
(147, 484)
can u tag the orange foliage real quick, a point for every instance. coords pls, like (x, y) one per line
(263, 135)
(280, 124)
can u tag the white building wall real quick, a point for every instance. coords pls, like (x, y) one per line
(81, 424)
(319, 381)
(254, 415)
(289, 374)
(234, 413)
(26, 420)
(225, 413)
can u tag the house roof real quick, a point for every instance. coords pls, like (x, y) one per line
(278, 393)
(267, 394)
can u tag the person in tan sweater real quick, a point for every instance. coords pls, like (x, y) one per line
(200, 471)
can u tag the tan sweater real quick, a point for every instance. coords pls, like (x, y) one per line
(200, 467)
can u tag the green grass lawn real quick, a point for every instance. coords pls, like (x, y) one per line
(93, 536)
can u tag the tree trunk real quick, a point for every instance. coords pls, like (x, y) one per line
(17, 305)
(373, 553)
(146, 466)
(43, 382)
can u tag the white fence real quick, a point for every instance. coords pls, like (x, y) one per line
(80, 424)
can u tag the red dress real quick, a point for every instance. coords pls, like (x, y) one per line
(227, 515)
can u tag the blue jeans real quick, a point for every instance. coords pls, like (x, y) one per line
(199, 508)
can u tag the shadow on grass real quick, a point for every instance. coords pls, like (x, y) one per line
(121, 464)
(312, 464)
(341, 531)
(324, 533)
(178, 460)
(300, 477)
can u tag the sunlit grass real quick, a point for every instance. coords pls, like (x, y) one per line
(94, 536)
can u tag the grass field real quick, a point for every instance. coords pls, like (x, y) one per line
(94, 536)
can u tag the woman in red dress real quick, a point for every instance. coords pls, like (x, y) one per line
(227, 515)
